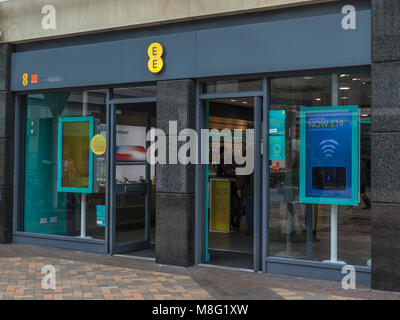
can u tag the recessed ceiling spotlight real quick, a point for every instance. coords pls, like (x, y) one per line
(308, 78)
(344, 88)
(344, 98)
(356, 79)
(232, 100)
(318, 99)
(244, 102)
(344, 75)
(364, 115)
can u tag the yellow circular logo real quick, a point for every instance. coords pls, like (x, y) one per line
(155, 52)
(98, 145)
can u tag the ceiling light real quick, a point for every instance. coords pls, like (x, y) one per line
(344, 75)
(232, 100)
(356, 79)
(344, 98)
(364, 115)
(318, 99)
(344, 88)
(308, 78)
(244, 102)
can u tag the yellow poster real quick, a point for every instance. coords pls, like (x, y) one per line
(220, 205)
(75, 154)
(98, 145)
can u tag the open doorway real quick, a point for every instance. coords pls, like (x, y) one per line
(230, 196)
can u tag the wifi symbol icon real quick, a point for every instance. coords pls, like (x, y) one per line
(328, 147)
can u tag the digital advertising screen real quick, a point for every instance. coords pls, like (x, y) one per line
(329, 155)
(75, 159)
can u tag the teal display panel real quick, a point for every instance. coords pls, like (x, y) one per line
(45, 210)
(101, 215)
(329, 155)
(75, 159)
(277, 135)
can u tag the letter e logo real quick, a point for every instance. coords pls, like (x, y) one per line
(155, 52)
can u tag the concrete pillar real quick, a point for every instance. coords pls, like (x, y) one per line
(175, 183)
(6, 145)
(385, 160)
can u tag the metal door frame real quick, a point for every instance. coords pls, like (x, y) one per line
(112, 246)
(261, 173)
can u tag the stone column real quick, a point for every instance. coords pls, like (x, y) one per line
(175, 183)
(385, 163)
(6, 145)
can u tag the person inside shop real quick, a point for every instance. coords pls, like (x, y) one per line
(245, 186)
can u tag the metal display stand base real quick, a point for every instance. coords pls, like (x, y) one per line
(334, 240)
(337, 262)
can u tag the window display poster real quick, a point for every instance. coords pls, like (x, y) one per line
(276, 148)
(131, 148)
(75, 160)
(101, 215)
(329, 155)
(277, 135)
(131, 144)
(277, 122)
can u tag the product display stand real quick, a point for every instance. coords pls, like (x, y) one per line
(334, 240)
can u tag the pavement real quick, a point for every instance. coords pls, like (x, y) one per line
(81, 275)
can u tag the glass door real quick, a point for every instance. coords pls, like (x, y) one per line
(132, 178)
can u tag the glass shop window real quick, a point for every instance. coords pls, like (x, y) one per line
(64, 178)
(320, 146)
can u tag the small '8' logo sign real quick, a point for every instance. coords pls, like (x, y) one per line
(155, 52)
(25, 80)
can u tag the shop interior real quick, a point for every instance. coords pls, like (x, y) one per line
(230, 239)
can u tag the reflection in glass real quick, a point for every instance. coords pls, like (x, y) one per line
(130, 173)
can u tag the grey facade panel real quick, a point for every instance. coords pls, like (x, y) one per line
(175, 183)
(6, 145)
(294, 43)
(6, 115)
(385, 146)
(6, 161)
(5, 67)
(386, 96)
(385, 167)
(6, 214)
(175, 229)
(61, 242)
(385, 30)
(386, 246)
(315, 270)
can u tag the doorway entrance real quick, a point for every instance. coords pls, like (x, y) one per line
(232, 202)
(132, 179)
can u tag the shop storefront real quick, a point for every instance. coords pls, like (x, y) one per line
(84, 107)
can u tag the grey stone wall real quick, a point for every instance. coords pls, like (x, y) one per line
(385, 145)
(6, 145)
(175, 184)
